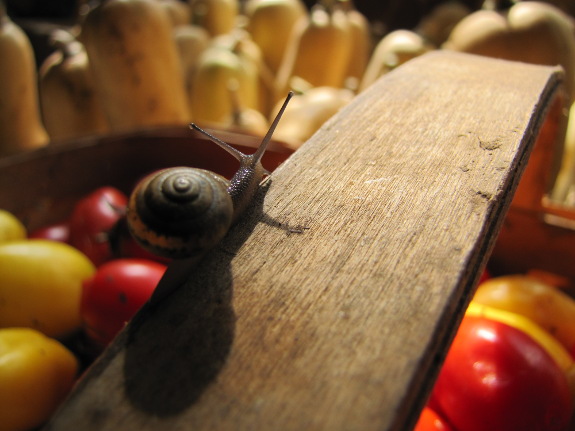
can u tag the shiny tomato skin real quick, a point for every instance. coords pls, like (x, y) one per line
(93, 218)
(429, 420)
(115, 293)
(495, 377)
(55, 232)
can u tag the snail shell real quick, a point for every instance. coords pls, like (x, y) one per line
(180, 212)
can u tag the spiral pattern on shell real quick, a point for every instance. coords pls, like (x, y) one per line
(180, 212)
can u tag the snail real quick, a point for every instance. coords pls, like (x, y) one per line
(181, 212)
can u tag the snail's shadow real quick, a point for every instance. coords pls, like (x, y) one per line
(175, 349)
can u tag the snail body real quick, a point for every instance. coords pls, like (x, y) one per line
(182, 212)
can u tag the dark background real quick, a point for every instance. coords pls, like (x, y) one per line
(393, 13)
(39, 17)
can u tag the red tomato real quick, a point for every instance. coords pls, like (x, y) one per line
(485, 275)
(92, 219)
(429, 420)
(496, 377)
(55, 232)
(115, 293)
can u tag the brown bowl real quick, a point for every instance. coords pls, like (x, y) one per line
(41, 187)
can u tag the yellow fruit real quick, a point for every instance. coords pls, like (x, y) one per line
(392, 51)
(555, 349)
(219, 66)
(529, 31)
(319, 51)
(70, 107)
(11, 228)
(242, 119)
(135, 64)
(545, 305)
(361, 43)
(191, 41)
(270, 23)
(36, 374)
(179, 12)
(240, 43)
(216, 16)
(41, 285)
(20, 125)
(436, 26)
(307, 112)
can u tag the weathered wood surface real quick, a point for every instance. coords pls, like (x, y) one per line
(332, 303)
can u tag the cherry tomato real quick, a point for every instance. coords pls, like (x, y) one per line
(429, 420)
(56, 232)
(496, 377)
(115, 293)
(92, 219)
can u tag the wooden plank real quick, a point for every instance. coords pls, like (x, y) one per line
(331, 304)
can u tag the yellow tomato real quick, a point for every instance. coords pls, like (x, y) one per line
(544, 304)
(36, 373)
(41, 285)
(553, 347)
(10, 227)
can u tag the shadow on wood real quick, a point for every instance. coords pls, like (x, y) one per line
(165, 377)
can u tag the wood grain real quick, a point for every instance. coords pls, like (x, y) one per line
(331, 305)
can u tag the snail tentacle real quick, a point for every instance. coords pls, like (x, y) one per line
(182, 212)
(233, 151)
(267, 138)
(245, 181)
